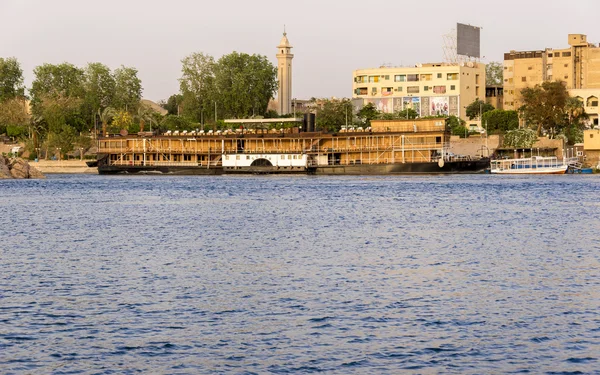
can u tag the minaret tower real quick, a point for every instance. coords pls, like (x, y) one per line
(284, 75)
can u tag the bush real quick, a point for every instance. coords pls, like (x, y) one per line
(520, 138)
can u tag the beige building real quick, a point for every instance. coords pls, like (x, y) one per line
(591, 147)
(284, 75)
(577, 66)
(429, 89)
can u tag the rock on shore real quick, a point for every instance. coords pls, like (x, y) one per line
(17, 168)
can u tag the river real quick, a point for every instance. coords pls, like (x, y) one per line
(464, 274)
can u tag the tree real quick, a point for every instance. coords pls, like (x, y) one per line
(128, 89)
(477, 108)
(520, 138)
(367, 113)
(59, 82)
(406, 113)
(106, 115)
(173, 104)
(244, 84)
(11, 79)
(197, 86)
(457, 126)
(13, 116)
(332, 114)
(574, 120)
(144, 114)
(122, 120)
(99, 85)
(493, 74)
(500, 121)
(544, 106)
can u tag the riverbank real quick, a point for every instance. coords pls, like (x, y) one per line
(64, 166)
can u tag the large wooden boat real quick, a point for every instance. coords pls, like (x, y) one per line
(387, 147)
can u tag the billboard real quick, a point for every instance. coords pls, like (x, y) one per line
(468, 40)
(384, 105)
(439, 106)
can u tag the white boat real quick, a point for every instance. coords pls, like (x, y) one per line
(532, 165)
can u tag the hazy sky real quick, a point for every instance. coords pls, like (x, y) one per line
(330, 38)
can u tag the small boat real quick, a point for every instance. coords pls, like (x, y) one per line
(532, 165)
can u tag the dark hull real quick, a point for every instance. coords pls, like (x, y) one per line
(172, 171)
(453, 167)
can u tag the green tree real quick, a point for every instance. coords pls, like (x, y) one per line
(332, 114)
(99, 85)
(367, 113)
(128, 89)
(13, 116)
(457, 126)
(500, 121)
(244, 84)
(106, 115)
(60, 82)
(574, 120)
(493, 74)
(477, 108)
(520, 138)
(11, 79)
(173, 104)
(544, 106)
(197, 86)
(406, 113)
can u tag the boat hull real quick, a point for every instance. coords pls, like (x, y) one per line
(452, 167)
(558, 170)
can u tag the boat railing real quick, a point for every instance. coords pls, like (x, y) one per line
(153, 163)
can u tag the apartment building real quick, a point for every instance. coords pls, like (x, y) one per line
(429, 89)
(578, 67)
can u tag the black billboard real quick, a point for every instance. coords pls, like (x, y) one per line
(467, 40)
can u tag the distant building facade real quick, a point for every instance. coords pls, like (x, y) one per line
(284, 75)
(429, 89)
(578, 67)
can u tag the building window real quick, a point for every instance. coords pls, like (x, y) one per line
(412, 89)
(412, 77)
(566, 77)
(439, 75)
(550, 55)
(476, 79)
(400, 78)
(523, 79)
(387, 78)
(530, 68)
(439, 89)
(566, 54)
(425, 88)
(452, 76)
(400, 88)
(510, 80)
(566, 65)
(477, 91)
(452, 87)
(373, 79)
(387, 91)
(425, 77)
(373, 90)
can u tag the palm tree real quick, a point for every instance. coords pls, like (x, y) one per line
(106, 116)
(144, 113)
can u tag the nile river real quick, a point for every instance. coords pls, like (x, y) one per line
(347, 275)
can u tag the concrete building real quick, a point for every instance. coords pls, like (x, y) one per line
(284, 75)
(429, 89)
(578, 67)
(591, 147)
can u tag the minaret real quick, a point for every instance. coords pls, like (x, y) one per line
(284, 75)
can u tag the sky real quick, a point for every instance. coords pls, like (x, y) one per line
(331, 38)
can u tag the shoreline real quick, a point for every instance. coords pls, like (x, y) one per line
(63, 166)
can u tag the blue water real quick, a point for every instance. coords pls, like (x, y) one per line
(262, 274)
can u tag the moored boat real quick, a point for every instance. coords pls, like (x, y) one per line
(532, 165)
(387, 147)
